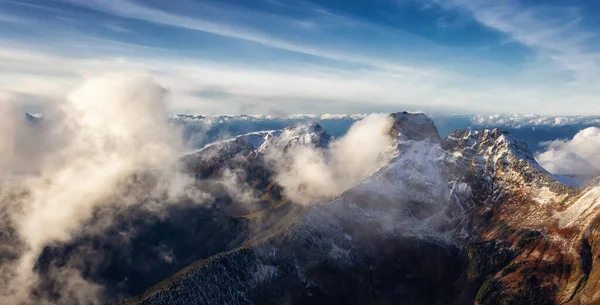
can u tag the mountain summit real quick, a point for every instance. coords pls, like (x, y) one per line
(414, 126)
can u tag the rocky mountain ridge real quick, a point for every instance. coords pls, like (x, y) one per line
(469, 218)
(472, 216)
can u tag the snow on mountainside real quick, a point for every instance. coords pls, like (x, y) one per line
(492, 150)
(501, 167)
(222, 118)
(409, 193)
(241, 144)
(305, 134)
(406, 200)
(500, 120)
(473, 215)
(537, 131)
(583, 210)
(258, 142)
(252, 146)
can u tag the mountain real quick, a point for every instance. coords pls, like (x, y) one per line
(200, 131)
(33, 117)
(322, 255)
(138, 248)
(467, 218)
(535, 130)
(470, 218)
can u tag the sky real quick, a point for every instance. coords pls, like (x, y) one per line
(321, 56)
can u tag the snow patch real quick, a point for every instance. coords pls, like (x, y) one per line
(583, 207)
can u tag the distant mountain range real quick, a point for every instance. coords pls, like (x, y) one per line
(533, 129)
(202, 130)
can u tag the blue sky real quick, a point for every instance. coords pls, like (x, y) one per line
(296, 56)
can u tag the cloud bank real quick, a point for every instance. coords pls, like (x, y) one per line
(57, 174)
(578, 156)
(526, 120)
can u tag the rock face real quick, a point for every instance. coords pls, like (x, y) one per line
(415, 126)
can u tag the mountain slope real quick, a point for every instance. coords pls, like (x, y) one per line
(322, 257)
(137, 248)
(469, 218)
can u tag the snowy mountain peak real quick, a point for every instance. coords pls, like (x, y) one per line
(310, 128)
(304, 134)
(414, 126)
(499, 166)
(33, 117)
(493, 143)
(257, 143)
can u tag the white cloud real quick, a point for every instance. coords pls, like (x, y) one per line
(7, 18)
(565, 59)
(522, 120)
(353, 78)
(576, 156)
(56, 174)
(49, 74)
(46, 73)
(129, 9)
(556, 33)
(308, 174)
(41, 71)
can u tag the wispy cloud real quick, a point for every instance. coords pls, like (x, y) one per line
(48, 74)
(304, 57)
(557, 34)
(51, 74)
(117, 28)
(128, 9)
(27, 4)
(12, 19)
